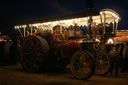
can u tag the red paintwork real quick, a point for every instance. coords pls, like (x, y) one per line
(74, 43)
(66, 52)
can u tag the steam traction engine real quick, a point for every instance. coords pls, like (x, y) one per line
(48, 50)
(45, 51)
(77, 40)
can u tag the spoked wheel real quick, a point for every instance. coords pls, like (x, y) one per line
(102, 62)
(33, 53)
(82, 65)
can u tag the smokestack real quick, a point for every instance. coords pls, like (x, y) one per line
(90, 10)
(89, 5)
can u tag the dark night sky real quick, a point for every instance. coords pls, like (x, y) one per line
(14, 10)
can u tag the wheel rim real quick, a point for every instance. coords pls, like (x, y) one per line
(81, 65)
(32, 52)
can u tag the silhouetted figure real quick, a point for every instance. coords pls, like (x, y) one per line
(115, 61)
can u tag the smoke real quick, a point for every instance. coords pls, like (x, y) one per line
(61, 9)
(58, 6)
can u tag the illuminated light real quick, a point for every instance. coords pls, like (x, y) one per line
(97, 23)
(16, 27)
(97, 40)
(116, 21)
(81, 41)
(35, 30)
(86, 24)
(31, 24)
(83, 21)
(105, 12)
(38, 24)
(101, 13)
(82, 25)
(88, 17)
(108, 22)
(79, 25)
(93, 17)
(110, 41)
(108, 12)
(118, 18)
(28, 32)
(113, 14)
(79, 19)
(49, 23)
(113, 22)
(22, 26)
(76, 20)
(35, 25)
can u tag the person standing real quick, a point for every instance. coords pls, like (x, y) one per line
(114, 61)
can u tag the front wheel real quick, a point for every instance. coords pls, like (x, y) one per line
(102, 60)
(82, 65)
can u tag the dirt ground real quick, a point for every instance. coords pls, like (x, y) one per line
(13, 75)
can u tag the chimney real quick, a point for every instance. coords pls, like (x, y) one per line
(89, 5)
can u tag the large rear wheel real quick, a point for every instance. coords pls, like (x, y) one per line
(82, 65)
(34, 50)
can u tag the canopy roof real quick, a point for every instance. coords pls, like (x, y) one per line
(111, 15)
(79, 19)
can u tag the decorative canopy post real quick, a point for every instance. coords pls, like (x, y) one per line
(104, 22)
(89, 25)
(24, 31)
